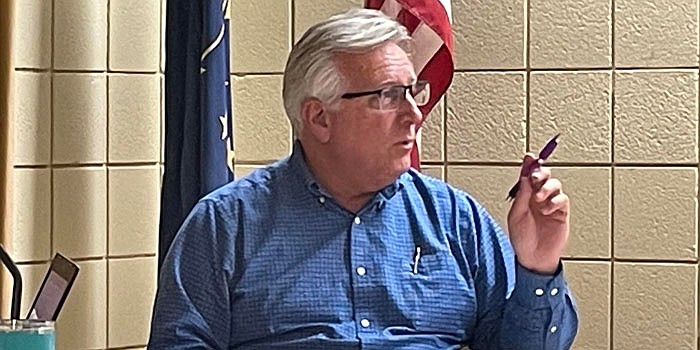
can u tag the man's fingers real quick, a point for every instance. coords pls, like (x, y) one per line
(548, 189)
(539, 177)
(559, 204)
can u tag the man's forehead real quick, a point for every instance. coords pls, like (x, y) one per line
(384, 63)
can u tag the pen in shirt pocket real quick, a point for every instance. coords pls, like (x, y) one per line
(416, 259)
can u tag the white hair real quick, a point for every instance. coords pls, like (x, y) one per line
(310, 70)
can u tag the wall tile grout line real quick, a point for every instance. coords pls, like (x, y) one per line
(88, 165)
(52, 114)
(697, 181)
(528, 69)
(92, 258)
(570, 69)
(161, 82)
(108, 79)
(91, 71)
(631, 260)
(292, 23)
(611, 204)
(33, 69)
(553, 164)
(292, 34)
(445, 115)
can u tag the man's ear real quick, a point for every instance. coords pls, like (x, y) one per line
(316, 120)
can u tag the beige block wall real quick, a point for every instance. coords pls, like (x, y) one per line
(87, 160)
(618, 79)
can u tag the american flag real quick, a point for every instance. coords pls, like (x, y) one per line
(428, 21)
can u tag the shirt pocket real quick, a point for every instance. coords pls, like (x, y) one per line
(430, 266)
(438, 297)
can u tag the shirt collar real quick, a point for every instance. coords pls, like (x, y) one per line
(298, 164)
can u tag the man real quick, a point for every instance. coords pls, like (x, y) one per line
(343, 246)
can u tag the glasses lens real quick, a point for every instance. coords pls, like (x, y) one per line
(421, 93)
(390, 98)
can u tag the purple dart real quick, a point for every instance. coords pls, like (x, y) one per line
(545, 152)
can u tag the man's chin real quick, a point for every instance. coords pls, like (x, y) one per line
(402, 166)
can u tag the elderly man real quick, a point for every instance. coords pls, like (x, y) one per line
(343, 246)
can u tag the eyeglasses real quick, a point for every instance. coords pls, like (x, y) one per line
(390, 98)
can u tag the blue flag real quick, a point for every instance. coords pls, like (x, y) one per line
(198, 126)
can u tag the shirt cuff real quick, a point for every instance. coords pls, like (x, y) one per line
(536, 291)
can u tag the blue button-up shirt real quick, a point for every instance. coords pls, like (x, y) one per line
(271, 261)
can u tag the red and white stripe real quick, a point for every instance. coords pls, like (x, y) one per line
(428, 21)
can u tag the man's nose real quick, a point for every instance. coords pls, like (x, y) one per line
(409, 108)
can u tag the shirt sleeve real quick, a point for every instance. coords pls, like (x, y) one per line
(540, 313)
(192, 306)
(518, 309)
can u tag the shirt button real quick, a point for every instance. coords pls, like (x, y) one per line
(322, 199)
(554, 291)
(364, 323)
(357, 220)
(361, 271)
(553, 329)
(539, 292)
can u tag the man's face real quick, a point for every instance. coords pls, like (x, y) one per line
(364, 138)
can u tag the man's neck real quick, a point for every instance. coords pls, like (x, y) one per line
(345, 186)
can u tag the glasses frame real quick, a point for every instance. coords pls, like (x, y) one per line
(422, 84)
